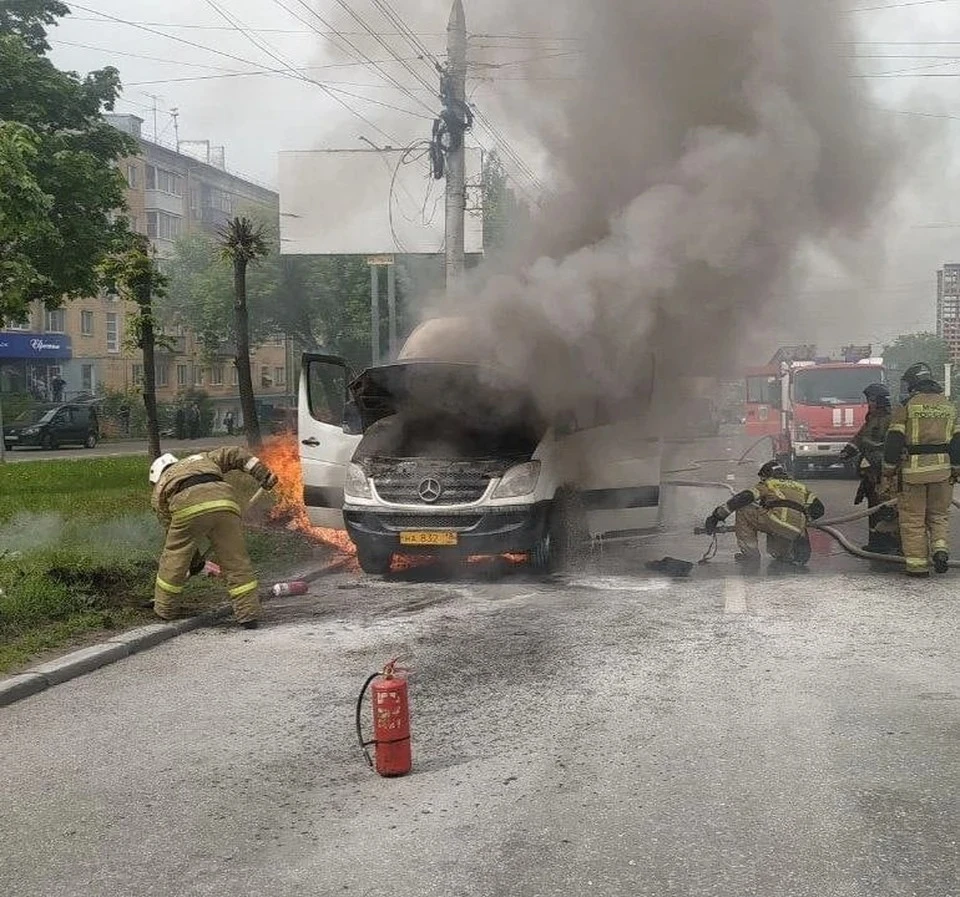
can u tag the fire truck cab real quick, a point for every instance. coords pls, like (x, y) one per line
(822, 407)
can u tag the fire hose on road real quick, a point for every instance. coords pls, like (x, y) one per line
(829, 527)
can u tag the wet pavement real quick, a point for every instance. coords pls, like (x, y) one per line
(605, 732)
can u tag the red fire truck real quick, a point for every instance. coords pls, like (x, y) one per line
(817, 403)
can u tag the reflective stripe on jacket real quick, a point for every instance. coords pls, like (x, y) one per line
(173, 503)
(926, 423)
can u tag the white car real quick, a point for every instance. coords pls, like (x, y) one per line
(452, 459)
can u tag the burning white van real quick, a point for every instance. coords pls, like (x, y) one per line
(427, 456)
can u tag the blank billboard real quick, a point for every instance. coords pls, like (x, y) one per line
(369, 202)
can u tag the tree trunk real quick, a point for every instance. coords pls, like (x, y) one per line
(244, 377)
(148, 345)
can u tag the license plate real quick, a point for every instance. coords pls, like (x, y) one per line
(12, 438)
(428, 538)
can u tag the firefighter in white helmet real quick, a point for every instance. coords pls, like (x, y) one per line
(195, 503)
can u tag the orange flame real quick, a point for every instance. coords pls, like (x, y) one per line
(281, 456)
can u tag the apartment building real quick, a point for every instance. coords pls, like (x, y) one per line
(84, 347)
(948, 308)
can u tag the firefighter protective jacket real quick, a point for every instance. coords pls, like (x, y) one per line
(789, 503)
(870, 438)
(195, 485)
(924, 438)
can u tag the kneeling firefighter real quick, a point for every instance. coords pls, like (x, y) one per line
(195, 503)
(884, 526)
(921, 461)
(777, 506)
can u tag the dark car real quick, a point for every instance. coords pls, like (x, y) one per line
(50, 428)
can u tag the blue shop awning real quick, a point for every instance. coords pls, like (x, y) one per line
(35, 346)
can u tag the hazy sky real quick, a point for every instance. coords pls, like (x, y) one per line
(908, 53)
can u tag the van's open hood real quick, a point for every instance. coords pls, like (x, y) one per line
(478, 395)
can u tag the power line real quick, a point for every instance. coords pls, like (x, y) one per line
(894, 5)
(409, 34)
(262, 45)
(388, 77)
(185, 26)
(113, 52)
(347, 8)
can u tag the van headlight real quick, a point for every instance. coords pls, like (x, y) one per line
(357, 484)
(31, 431)
(519, 480)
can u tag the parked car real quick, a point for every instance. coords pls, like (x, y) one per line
(51, 427)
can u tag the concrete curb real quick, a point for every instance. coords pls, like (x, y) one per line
(86, 660)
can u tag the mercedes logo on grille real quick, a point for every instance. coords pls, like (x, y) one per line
(429, 490)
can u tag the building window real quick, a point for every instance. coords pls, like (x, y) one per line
(265, 376)
(113, 332)
(234, 375)
(161, 226)
(216, 375)
(280, 376)
(86, 323)
(151, 177)
(161, 371)
(137, 374)
(86, 377)
(132, 176)
(198, 376)
(181, 375)
(54, 322)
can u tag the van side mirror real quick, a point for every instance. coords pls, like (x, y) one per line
(352, 419)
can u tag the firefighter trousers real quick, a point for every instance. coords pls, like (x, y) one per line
(224, 531)
(751, 521)
(924, 522)
(884, 527)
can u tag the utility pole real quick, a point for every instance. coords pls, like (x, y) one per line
(392, 308)
(175, 114)
(374, 311)
(453, 90)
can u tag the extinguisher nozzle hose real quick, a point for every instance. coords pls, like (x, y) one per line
(364, 744)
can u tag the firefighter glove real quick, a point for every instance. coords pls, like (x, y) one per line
(264, 476)
(197, 563)
(848, 451)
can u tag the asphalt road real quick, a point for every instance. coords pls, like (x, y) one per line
(607, 733)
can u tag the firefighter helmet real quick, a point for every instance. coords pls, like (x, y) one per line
(878, 394)
(160, 465)
(772, 469)
(916, 374)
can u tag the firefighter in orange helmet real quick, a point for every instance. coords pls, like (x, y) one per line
(195, 503)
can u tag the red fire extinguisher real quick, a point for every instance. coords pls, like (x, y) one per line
(391, 721)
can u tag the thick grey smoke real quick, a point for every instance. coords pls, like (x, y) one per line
(702, 148)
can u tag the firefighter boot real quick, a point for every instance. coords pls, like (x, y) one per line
(941, 561)
(748, 560)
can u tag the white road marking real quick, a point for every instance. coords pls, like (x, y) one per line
(734, 596)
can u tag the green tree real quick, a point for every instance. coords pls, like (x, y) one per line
(71, 160)
(242, 243)
(503, 213)
(24, 215)
(910, 348)
(133, 274)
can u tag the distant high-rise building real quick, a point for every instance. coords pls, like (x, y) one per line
(948, 308)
